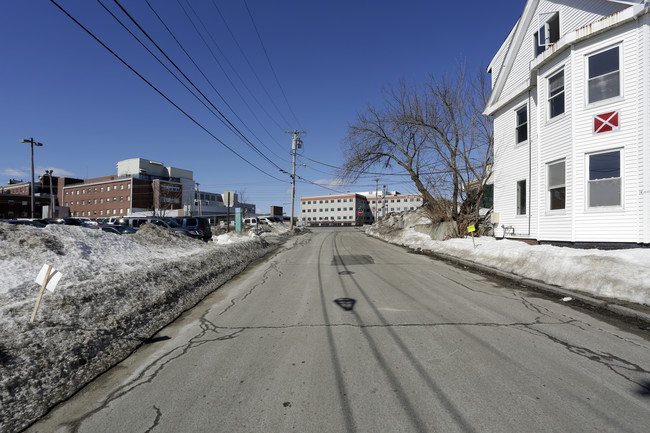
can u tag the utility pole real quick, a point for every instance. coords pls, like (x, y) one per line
(51, 212)
(376, 199)
(296, 143)
(198, 197)
(33, 143)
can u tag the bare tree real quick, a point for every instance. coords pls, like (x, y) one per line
(437, 135)
(382, 138)
(461, 140)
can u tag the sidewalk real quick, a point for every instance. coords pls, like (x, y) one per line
(621, 308)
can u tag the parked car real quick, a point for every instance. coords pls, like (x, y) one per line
(136, 222)
(115, 229)
(25, 223)
(196, 223)
(271, 220)
(252, 221)
(65, 221)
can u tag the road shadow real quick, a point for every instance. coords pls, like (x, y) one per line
(156, 339)
(346, 303)
(644, 389)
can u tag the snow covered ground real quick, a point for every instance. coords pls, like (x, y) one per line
(115, 292)
(618, 274)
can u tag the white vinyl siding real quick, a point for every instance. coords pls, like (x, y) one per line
(513, 163)
(570, 136)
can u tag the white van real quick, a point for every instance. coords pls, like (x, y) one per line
(252, 221)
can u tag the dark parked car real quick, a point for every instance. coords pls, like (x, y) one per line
(25, 223)
(116, 229)
(65, 221)
(196, 223)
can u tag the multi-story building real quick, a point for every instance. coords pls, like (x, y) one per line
(143, 188)
(571, 102)
(354, 209)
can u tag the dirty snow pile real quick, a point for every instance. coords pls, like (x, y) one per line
(618, 274)
(115, 292)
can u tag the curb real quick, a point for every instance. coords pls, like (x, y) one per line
(617, 309)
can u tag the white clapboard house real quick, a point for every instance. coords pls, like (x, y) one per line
(571, 106)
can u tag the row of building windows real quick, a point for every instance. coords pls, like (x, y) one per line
(345, 209)
(101, 189)
(95, 201)
(344, 217)
(344, 200)
(398, 200)
(170, 188)
(101, 212)
(604, 183)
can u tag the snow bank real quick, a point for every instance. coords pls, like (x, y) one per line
(116, 292)
(618, 274)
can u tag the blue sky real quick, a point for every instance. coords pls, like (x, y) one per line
(331, 58)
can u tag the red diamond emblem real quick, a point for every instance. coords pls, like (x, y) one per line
(606, 122)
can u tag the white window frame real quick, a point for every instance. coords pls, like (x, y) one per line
(518, 125)
(550, 187)
(546, 26)
(620, 76)
(621, 178)
(519, 197)
(550, 98)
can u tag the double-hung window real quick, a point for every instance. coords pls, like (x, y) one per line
(557, 185)
(522, 124)
(604, 185)
(556, 94)
(604, 75)
(521, 197)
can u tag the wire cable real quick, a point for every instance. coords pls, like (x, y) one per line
(232, 35)
(161, 93)
(272, 68)
(234, 128)
(222, 70)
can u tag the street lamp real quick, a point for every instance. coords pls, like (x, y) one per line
(51, 212)
(33, 143)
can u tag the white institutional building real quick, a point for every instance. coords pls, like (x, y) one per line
(354, 209)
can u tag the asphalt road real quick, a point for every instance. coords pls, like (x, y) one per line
(340, 332)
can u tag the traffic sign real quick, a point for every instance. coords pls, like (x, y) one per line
(360, 212)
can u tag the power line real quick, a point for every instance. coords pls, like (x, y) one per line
(207, 31)
(234, 129)
(271, 66)
(232, 35)
(160, 92)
